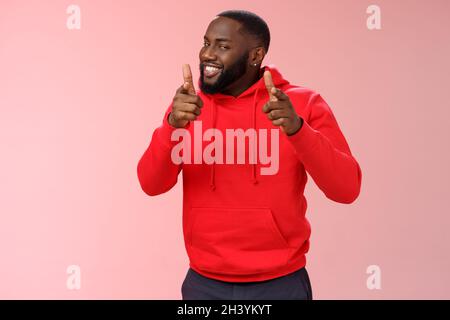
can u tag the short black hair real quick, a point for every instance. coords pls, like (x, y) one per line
(252, 24)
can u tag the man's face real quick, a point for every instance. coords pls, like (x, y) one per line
(224, 55)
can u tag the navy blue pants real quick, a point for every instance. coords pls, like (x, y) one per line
(294, 286)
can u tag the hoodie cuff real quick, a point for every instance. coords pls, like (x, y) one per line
(165, 132)
(304, 140)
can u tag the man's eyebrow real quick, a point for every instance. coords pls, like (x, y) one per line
(218, 39)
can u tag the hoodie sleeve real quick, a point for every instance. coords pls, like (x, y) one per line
(325, 154)
(156, 171)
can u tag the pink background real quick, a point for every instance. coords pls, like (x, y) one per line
(78, 108)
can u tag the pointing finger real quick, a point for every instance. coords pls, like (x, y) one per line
(280, 95)
(269, 85)
(184, 88)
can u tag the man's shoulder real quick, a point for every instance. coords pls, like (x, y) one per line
(299, 93)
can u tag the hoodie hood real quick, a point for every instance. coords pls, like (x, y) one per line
(255, 92)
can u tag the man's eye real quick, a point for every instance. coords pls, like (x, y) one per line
(223, 48)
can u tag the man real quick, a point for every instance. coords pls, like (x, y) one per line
(244, 224)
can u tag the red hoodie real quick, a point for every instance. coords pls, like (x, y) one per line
(238, 224)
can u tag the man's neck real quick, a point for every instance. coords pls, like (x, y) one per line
(244, 83)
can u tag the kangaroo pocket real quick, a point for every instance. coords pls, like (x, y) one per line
(236, 240)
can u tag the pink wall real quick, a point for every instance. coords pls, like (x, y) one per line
(77, 109)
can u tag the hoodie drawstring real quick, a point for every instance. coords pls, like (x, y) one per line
(254, 180)
(212, 182)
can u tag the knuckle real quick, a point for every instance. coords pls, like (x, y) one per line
(175, 106)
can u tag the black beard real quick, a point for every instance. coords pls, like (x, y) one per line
(226, 77)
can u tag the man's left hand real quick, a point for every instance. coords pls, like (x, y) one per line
(279, 108)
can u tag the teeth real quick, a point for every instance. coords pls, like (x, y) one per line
(211, 69)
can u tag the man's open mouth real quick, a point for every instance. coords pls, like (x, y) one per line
(211, 71)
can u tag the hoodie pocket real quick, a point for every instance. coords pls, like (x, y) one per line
(236, 240)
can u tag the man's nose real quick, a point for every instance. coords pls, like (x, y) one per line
(209, 54)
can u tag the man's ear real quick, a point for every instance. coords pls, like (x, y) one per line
(257, 55)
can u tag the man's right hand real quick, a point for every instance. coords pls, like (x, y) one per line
(186, 103)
